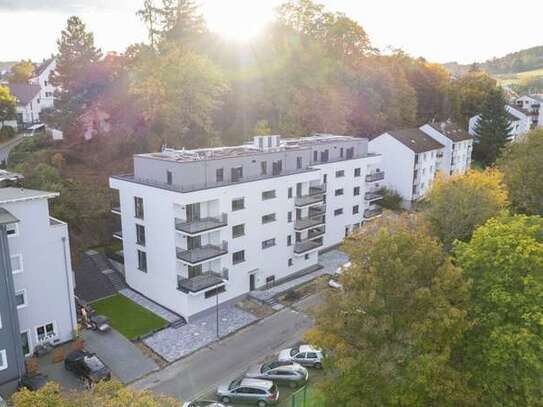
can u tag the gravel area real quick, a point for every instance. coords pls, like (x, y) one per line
(173, 344)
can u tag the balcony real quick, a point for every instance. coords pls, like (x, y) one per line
(309, 222)
(196, 226)
(372, 213)
(375, 176)
(118, 235)
(315, 195)
(372, 196)
(201, 282)
(316, 232)
(203, 253)
(116, 210)
(307, 245)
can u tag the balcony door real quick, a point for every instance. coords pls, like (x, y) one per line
(195, 271)
(194, 242)
(193, 212)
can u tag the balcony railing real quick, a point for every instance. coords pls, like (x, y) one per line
(316, 211)
(308, 222)
(316, 232)
(203, 253)
(315, 195)
(202, 281)
(375, 176)
(116, 210)
(201, 225)
(372, 213)
(307, 245)
(118, 235)
(372, 196)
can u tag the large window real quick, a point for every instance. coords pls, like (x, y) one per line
(138, 207)
(263, 168)
(277, 167)
(238, 257)
(236, 174)
(238, 231)
(339, 192)
(3, 360)
(268, 195)
(25, 343)
(142, 261)
(268, 218)
(340, 173)
(220, 174)
(140, 235)
(356, 191)
(298, 162)
(45, 332)
(357, 172)
(20, 299)
(16, 263)
(268, 243)
(338, 212)
(238, 204)
(356, 209)
(169, 177)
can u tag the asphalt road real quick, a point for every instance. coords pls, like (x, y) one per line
(200, 373)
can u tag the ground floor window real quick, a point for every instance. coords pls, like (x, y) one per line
(20, 299)
(45, 332)
(270, 281)
(25, 343)
(3, 360)
(215, 291)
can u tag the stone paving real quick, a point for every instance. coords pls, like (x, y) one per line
(173, 344)
(149, 305)
(329, 261)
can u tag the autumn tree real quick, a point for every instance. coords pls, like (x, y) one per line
(522, 169)
(502, 351)
(7, 105)
(457, 205)
(21, 72)
(389, 335)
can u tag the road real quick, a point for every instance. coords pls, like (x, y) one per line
(200, 373)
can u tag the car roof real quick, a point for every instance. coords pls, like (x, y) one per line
(307, 348)
(263, 384)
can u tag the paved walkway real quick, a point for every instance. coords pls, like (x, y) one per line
(173, 344)
(329, 261)
(150, 305)
(90, 283)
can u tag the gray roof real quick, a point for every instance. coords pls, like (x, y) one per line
(6, 217)
(416, 140)
(451, 131)
(43, 66)
(24, 92)
(13, 194)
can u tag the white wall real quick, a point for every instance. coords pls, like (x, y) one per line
(47, 92)
(459, 151)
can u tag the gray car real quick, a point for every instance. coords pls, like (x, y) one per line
(262, 393)
(305, 355)
(286, 372)
(203, 403)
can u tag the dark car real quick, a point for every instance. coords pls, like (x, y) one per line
(34, 382)
(87, 366)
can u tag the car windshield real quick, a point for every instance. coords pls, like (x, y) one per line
(234, 384)
(267, 366)
(294, 351)
(93, 363)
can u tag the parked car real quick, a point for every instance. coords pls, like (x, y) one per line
(286, 372)
(34, 382)
(203, 403)
(305, 355)
(99, 323)
(2, 402)
(87, 366)
(263, 393)
(334, 280)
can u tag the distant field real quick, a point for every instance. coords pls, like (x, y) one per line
(510, 79)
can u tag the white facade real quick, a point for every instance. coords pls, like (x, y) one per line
(42, 78)
(287, 217)
(41, 265)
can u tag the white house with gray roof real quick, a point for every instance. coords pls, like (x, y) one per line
(28, 103)
(207, 225)
(42, 77)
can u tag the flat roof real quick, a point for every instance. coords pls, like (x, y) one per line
(14, 194)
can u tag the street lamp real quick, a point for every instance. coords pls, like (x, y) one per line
(217, 310)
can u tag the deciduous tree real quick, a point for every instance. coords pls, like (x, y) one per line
(7, 105)
(21, 72)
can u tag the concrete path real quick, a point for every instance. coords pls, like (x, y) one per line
(124, 359)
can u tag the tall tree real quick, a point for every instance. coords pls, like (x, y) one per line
(457, 205)
(389, 334)
(522, 169)
(492, 128)
(502, 352)
(7, 105)
(21, 72)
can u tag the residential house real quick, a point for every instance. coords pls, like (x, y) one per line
(42, 77)
(28, 103)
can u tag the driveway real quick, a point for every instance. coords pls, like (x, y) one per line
(124, 359)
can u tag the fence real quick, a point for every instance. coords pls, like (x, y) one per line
(304, 397)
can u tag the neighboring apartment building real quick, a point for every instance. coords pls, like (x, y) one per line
(411, 159)
(36, 280)
(197, 224)
(41, 77)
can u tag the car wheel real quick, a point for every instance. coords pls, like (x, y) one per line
(318, 365)
(225, 399)
(262, 403)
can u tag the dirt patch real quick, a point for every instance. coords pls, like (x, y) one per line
(305, 290)
(256, 308)
(150, 354)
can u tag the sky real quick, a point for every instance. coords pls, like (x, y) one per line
(438, 30)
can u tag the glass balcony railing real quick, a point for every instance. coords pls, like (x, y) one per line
(202, 281)
(203, 253)
(315, 195)
(375, 176)
(201, 225)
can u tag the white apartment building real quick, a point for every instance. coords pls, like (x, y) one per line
(36, 278)
(197, 224)
(411, 159)
(41, 77)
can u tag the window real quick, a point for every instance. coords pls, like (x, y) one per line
(268, 218)
(138, 207)
(140, 235)
(315, 156)
(340, 173)
(324, 156)
(306, 257)
(25, 343)
(16, 263)
(289, 217)
(169, 177)
(289, 192)
(268, 195)
(357, 172)
(20, 299)
(268, 243)
(3, 360)
(270, 281)
(289, 240)
(45, 332)
(298, 162)
(289, 262)
(355, 209)
(238, 231)
(341, 152)
(350, 153)
(338, 192)
(263, 168)
(219, 172)
(325, 179)
(238, 204)
(12, 229)
(238, 257)
(215, 291)
(236, 173)
(277, 167)
(356, 191)
(338, 212)
(142, 261)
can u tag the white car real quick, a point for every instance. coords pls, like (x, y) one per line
(203, 403)
(333, 282)
(305, 355)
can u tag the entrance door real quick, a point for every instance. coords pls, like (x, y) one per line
(252, 282)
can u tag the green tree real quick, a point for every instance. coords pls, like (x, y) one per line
(391, 200)
(389, 334)
(492, 128)
(7, 105)
(502, 352)
(262, 128)
(522, 169)
(457, 205)
(21, 72)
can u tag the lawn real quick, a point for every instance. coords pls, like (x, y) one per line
(127, 317)
(512, 78)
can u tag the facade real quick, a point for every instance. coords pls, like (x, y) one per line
(210, 225)
(411, 159)
(28, 103)
(37, 303)
(42, 78)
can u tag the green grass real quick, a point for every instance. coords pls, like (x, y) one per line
(512, 78)
(127, 317)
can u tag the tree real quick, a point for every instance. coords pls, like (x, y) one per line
(7, 105)
(502, 352)
(492, 128)
(522, 169)
(21, 72)
(391, 200)
(457, 205)
(389, 335)
(103, 394)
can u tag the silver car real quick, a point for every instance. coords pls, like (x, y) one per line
(305, 355)
(263, 393)
(288, 372)
(203, 403)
